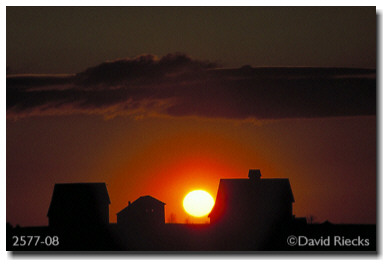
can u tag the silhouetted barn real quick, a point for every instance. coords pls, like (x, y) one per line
(79, 205)
(145, 211)
(252, 203)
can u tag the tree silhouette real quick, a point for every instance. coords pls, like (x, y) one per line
(172, 218)
(310, 219)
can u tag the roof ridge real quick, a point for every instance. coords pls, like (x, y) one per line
(146, 196)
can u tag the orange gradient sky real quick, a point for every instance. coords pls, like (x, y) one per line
(332, 172)
(163, 100)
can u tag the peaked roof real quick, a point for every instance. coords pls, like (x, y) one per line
(147, 199)
(251, 190)
(75, 193)
(124, 210)
(141, 201)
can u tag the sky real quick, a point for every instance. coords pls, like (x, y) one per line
(71, 39)
(161, 101)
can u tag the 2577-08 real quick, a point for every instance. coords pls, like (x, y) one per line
(34, 240)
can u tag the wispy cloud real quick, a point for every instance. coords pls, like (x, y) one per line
(177, 85)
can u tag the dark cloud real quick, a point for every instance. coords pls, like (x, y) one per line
(142, 69)
(177, 85)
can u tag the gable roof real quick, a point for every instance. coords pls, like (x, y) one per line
(146, 200)
(124, 210)
(251, 191)
(77, 193)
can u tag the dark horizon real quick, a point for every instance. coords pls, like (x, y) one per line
(311, 219)
(250, 214)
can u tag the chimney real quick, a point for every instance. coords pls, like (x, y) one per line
(129, 203)
(254, 174)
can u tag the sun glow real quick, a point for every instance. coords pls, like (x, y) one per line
(198, 203)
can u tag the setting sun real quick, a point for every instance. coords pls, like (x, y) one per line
(198, 203)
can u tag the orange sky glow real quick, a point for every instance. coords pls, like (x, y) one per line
(167, 105)
(332, 173)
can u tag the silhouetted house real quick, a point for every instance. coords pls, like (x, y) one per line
(79, 205)
(253, 203)
(145, 211)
